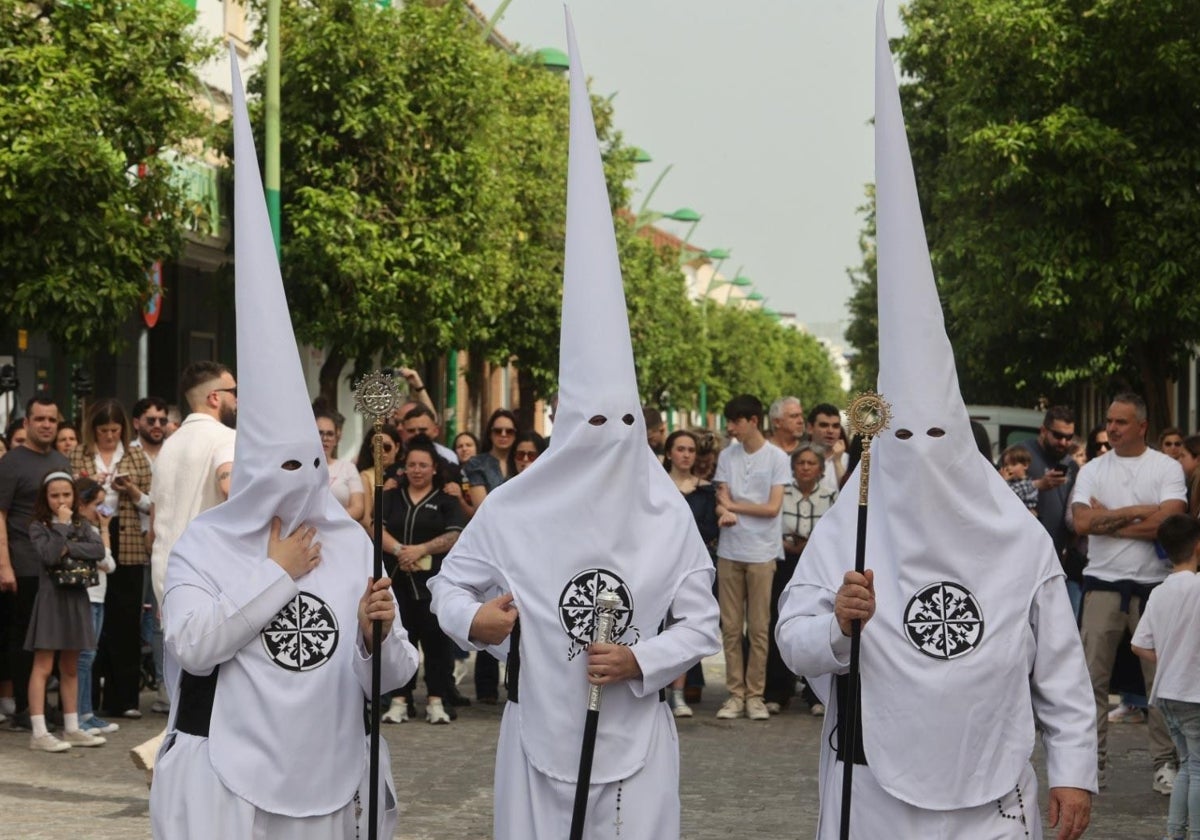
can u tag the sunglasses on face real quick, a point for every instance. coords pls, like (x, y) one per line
(155, 421)
(500, 431)
(325, 435)
(225, 391)
(1060, 435)
(388, 447)
(525, 456)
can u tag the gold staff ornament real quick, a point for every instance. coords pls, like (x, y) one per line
(868, 415)
(376, 396)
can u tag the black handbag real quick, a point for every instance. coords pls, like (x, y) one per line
(75, 574)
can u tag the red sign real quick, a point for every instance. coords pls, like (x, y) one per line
(154, 301)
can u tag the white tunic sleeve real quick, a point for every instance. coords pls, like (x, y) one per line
(693, 636)
(458, 590)
(398, 658)
(202, 630)
(809, 639)
(1061, 690)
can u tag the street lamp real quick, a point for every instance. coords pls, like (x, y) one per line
(552, 58)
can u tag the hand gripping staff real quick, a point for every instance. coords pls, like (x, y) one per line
(868, 416)
(606, 611)
(376, 396)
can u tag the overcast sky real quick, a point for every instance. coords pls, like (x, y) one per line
(762, 109)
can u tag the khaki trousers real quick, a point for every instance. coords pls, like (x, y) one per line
(744, 595)
(1102, 627)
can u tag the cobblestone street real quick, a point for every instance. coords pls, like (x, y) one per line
(740, 779)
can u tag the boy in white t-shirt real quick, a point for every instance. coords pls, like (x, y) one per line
(1169, 635)
(751, 476)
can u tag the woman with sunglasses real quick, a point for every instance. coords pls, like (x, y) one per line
(497, 462)
(366, 463)
(529, 446)
(485, 472)
(343, 477)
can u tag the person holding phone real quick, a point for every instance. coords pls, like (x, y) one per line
(106, 457)
(421, 523)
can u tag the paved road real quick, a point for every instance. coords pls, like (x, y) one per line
(740, 779)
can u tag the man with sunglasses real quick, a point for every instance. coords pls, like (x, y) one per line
(191, 475)
(150, 423)
(1053, 472)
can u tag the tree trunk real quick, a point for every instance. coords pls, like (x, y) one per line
(331, 372)
(527, 401)
(1155, 369)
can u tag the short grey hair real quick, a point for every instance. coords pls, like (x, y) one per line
(1139, 404)
(776, 410)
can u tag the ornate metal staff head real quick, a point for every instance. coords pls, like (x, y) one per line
(867, 415)
(376, 397)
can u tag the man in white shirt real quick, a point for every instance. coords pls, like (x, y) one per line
(750, 480)
(825, 426)
(787, 423)
(1119, 501)
(191, 475)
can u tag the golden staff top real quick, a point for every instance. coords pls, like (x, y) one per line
(376, 396)
(868, 415)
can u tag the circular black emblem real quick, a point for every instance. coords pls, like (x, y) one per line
(303, 635)
(577, 607)
(944, 621)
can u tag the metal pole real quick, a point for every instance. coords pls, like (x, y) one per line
(271, 100)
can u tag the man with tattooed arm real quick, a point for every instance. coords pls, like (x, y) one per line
(1119, 501)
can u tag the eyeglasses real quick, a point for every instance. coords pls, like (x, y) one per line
(1060, 435)
(502, 431)
(225, 391)
(156, 421)
(525, 456)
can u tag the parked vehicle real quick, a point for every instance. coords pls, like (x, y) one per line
(1006, 425)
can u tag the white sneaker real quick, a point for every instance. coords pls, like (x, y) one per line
(818, 710)
(435, 712)
(47, 743)
(79, 738)
(132, 713)
(397, 712)
(1125, 713)
(774, 708)
(756, 709)
(731, 709)
(1164, 779)
(461, 669)
(679, 707)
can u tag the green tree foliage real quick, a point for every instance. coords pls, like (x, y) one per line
(753, 354)
(863, 331)
(1055, 148)
(389, 187)
(95, 94)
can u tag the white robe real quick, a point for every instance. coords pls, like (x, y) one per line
(811, 643)
(534, 805)
(191, 798)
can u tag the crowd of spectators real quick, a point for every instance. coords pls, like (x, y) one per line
(756, 489)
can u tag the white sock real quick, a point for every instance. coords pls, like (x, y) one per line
(38, 722)
(71, 721)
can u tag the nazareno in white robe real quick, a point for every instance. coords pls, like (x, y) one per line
(595, 513)
(275, 747)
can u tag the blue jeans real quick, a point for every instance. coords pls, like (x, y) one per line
(86, 658)
(1075, 594)
(1183, 722)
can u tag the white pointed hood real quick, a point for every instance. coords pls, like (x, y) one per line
(597, 511)
(957, 557)
(275, 418)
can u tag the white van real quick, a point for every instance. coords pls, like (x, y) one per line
(1006, 425)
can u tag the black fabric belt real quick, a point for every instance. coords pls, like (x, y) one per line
(193, 708)
(839, 732)
(1128, 589)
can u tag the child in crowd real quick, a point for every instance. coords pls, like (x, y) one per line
(1014, 464)
(1169, 635)
(62, 616)
(93, 511)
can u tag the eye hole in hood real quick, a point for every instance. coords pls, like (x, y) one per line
(598, 420)
(291, 465)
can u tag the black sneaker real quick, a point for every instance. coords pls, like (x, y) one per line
(19, 722)
(455, 698)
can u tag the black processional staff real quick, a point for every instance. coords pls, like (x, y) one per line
(867, 416)
(607, 604)
(376, 397)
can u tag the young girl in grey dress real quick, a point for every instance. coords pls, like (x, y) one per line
(62, 618)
